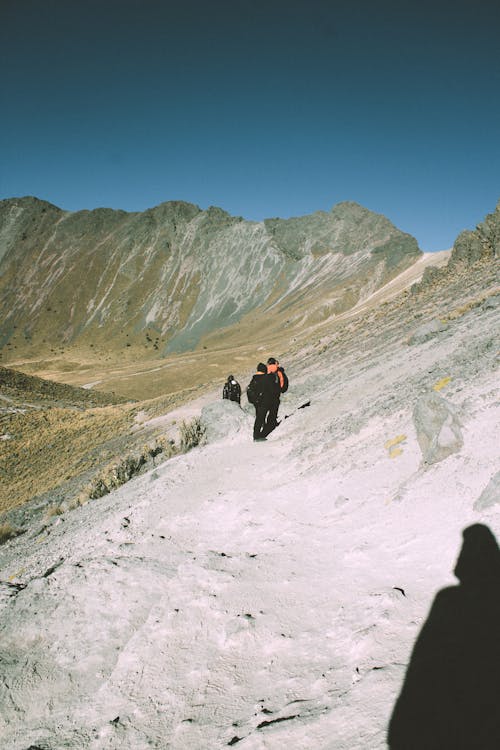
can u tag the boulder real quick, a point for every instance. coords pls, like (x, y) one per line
(223, 418)
(438, 428)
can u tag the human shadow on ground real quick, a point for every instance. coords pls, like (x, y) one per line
(450, 699)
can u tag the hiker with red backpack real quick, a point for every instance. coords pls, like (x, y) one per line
(264, 392)
(281, 386)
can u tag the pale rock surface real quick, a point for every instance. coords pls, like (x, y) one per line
(438, 428)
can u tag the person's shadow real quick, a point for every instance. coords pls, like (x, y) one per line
(450, 699)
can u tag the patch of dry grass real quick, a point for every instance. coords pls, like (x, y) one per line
(51, 445)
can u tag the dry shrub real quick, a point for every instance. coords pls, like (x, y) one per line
(122, 471)
(7, 531)
(54, 510)
(192, 434)
(74, 502)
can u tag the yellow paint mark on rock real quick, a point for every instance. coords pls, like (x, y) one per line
(17, 575)
(441, 383)
(394, 441)
(394, 452)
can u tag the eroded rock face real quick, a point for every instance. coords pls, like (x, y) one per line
(438, 428)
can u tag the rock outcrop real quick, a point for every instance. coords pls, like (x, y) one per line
(438, 428)
(470, 248)
(483, 243)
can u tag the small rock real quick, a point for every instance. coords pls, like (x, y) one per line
(490, 495)
(341, 500)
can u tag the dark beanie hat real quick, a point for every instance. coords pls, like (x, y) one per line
(271, 361)
(261, 367)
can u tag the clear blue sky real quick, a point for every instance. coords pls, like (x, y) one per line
(275, 108)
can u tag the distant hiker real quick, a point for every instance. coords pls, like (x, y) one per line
(232, 389)
(280, 386)
(261, 392)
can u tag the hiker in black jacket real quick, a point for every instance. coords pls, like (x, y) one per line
(262, 393)
(232, 389)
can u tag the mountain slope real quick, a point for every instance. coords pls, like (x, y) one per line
(158, 282)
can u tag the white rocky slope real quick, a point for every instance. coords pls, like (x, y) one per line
(261, 595)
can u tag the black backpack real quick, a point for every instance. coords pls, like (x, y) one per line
(252, 392)
(232, 390)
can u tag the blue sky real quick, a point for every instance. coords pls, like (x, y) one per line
(262, 108)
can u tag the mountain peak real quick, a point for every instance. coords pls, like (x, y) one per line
(29, 202)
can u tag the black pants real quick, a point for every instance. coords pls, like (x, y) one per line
(271, 417)
(266, 418)
(261, 413)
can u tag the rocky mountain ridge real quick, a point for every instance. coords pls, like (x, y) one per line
(159, 281)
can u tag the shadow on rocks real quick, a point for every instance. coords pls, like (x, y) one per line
(450, 696)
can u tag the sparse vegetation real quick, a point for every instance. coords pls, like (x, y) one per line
(54, 510)
(192, 434)
(7, 531)
(470, 305)
(54, 434)
(120, 472)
